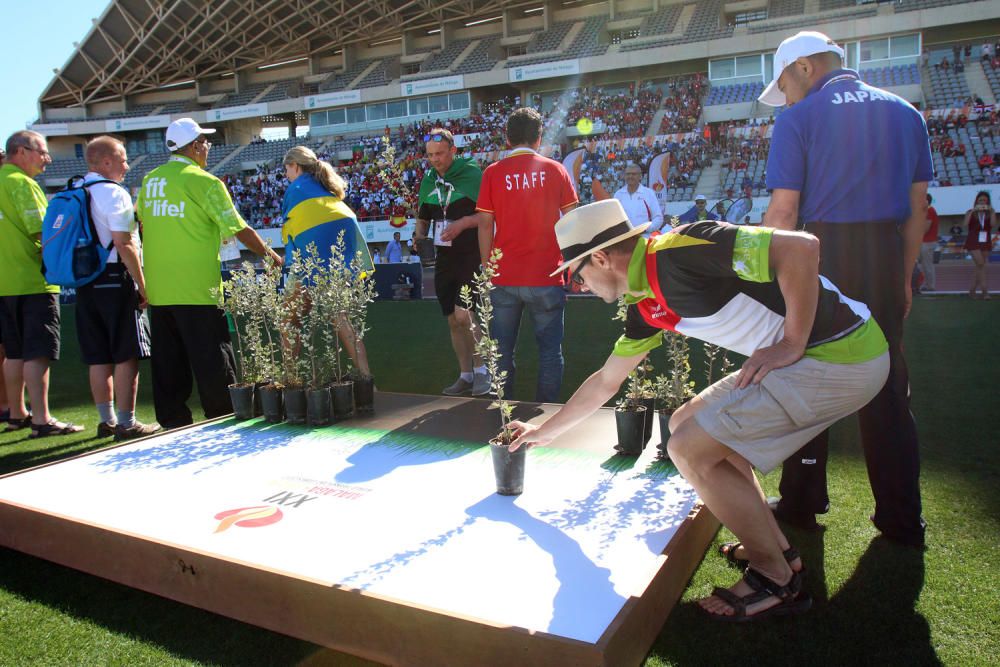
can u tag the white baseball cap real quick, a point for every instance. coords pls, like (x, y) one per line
(805, 43)
(700, 198)
(183, 131)
(592, 227)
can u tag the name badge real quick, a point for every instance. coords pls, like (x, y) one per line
(439, 226)
(983, 237)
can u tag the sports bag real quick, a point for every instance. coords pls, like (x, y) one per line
(72, 254)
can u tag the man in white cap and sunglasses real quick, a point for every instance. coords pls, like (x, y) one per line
(850, 164)
(186, 213)
(814, 357)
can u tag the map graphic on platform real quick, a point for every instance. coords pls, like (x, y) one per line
(394, 513)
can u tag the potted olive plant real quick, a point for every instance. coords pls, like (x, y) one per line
(675, 388)
(333, 302)
(508, 466)
(270, 305)
(361, 292)
(631, 413)
(295, 339)
(241, 298)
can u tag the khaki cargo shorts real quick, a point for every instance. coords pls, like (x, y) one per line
(768, 422)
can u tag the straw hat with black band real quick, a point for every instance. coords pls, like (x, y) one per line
(592, 227)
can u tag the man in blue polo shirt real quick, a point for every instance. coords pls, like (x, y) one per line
(850, 163)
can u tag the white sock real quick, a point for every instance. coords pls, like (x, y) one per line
(466, 376)
(480, 369)
(106, 412)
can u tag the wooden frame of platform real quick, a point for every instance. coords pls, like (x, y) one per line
(350, 620)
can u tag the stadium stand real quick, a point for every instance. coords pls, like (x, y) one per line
(136, 111)
(778, 8)
(379, 76)
(734, 93)
(588, 41)
(340, 81)
(246, 96)
(480, 60)
(281, 90)
(948, 87)
(682, 103)
(662, 22)
(887, 77)
(443, 59)
(806, 22)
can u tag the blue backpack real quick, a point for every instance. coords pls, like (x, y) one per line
(72, 254)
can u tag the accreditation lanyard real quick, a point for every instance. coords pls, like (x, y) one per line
(439, 225)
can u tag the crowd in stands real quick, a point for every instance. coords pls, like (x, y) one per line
(623, 113)
(682, 103)
(969, 141)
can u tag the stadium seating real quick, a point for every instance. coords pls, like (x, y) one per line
(778, 8)
(887, 77)
(246, 96)
(948, 88)
(481, 58)
(340, 81)
(443, 59)
(734, 94)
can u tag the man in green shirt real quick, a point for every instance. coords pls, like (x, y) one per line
(30, 305)
(186, 214)
(814, 356)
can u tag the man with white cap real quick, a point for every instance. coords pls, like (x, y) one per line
(814, 357)
(186, 213)
(850, 163)
(701, 211)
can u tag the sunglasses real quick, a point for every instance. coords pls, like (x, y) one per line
(575, 277)
(435, 137)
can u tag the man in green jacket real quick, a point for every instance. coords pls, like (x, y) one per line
(186, 214)
(30, 305)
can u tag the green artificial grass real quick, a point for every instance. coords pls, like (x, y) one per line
(875, 603)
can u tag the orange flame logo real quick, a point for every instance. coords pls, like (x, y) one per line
(248, 517)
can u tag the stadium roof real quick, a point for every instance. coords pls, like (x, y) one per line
(142, 45)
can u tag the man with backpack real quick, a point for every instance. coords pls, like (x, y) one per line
(31, 305)
(110, 326)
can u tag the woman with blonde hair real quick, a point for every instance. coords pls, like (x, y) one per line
(314, 212)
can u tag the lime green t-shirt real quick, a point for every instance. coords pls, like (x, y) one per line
(22, 208)
(186, 213)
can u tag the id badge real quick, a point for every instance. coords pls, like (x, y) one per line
(229, 250)
(439, 226)
(983, 237)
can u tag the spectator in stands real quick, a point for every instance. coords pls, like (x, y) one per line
(521, 198)
(448, 197)
(929, 242)
(959, 67)
(110, 326)
(315, 213)
(183, 272)
(31, 306)
(880, 204)
(394, 250)
(985, 160)
(640, 202)
(980, 221)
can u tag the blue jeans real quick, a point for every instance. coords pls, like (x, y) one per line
(546, 306)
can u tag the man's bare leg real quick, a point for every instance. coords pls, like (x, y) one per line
(736, 502)
(36, 379)
(13, 376)
(461, 338)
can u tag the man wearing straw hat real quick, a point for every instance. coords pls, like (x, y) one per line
(814, 356)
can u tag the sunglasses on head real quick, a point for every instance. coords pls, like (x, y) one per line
(435, 137)
(575, 277)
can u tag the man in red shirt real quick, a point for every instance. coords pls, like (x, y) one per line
(926, 258)
(520, 199)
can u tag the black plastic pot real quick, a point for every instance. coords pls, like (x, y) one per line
(319, 408)
(242, 399)
(661, 448)
(364, 395)
(258, 407)
(631, 424)
(295, 405)
(650, 417)
(343, 399)
(508, 469)
(271, 403)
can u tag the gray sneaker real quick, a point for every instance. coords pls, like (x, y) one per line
(481, 384)
(136, 430)
(106, 429)
(460, 388)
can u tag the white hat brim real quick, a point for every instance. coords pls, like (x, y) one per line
(632, 232)
(772, 95)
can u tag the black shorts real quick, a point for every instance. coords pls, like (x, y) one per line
(31, 326)
(450, 273)
(109, 325)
